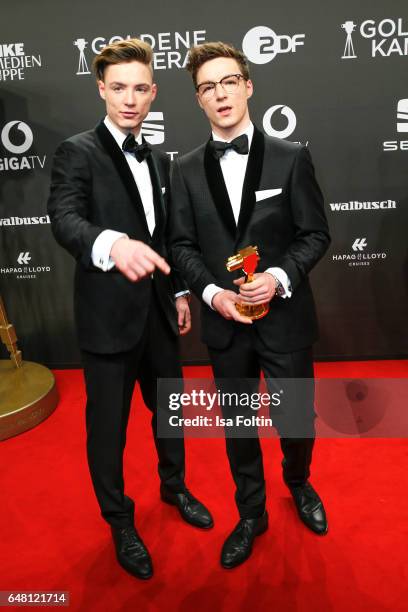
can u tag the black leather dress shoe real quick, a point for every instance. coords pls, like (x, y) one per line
(310, 507)
(238, 546)
(191, 510)
(131, 553)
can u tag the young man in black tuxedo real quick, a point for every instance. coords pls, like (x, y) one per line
(108, 207)
(242, 188)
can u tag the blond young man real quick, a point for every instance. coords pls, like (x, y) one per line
(109, 207)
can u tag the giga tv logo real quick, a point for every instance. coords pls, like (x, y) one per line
(17, 137)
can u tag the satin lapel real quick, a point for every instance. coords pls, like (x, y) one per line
(252, 179)
(216, 184)
(123, 169)
(159, 208)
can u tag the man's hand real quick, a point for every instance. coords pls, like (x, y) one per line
(224, 303)
(259, 291)
(136, 260)
(183, 315)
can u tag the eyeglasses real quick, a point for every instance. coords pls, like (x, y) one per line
(229, 83)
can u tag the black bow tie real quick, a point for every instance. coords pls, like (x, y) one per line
(140, 151)
(240, 145)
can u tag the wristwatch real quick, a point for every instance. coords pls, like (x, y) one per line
(279, 288)
(186, 295)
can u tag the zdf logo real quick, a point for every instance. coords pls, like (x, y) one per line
(25, 130)
(284, 111)
(261, 44)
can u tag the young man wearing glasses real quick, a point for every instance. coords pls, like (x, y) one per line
(109, 206)
(242, 188)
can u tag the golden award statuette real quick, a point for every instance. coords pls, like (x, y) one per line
(28, 393)
(247, 260)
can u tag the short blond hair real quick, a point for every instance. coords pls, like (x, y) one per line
(132, 50)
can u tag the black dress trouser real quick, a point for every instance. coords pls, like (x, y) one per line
(245, 358)
(110, 381)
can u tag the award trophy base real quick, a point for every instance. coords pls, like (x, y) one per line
(246, 260)
(253, 312)
(28, 395)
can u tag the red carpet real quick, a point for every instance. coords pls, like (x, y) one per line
(53, 539)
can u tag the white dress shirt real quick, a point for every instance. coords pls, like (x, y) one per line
(140, 170)
(233, 166)
(102, 246)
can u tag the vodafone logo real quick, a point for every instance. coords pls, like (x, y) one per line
(271, 115)
(17, 138)
(24, 129)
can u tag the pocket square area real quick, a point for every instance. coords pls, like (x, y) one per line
(163, 190)
(267, 193)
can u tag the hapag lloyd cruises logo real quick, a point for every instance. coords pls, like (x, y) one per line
(261, 44)
(22, 270)
(23, 258)
(17, 138)
(358, 256)
(170, 48)
(387, 37)
(14, 60)
(359, 244)
(355, 205)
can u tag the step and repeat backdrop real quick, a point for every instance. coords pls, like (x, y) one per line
(332, 76)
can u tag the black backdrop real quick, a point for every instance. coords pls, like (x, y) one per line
(330, 75)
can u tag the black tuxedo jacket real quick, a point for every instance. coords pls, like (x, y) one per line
(93, 189)
(288, 226)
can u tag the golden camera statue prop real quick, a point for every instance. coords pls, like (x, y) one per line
(9, 338)
(247, 260)
(28, 394)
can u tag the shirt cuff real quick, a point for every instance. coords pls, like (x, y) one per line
(283, 279)
(102, 247)
(180, 293)
(208, 294)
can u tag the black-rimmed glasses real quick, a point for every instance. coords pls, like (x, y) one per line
(229, 83)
